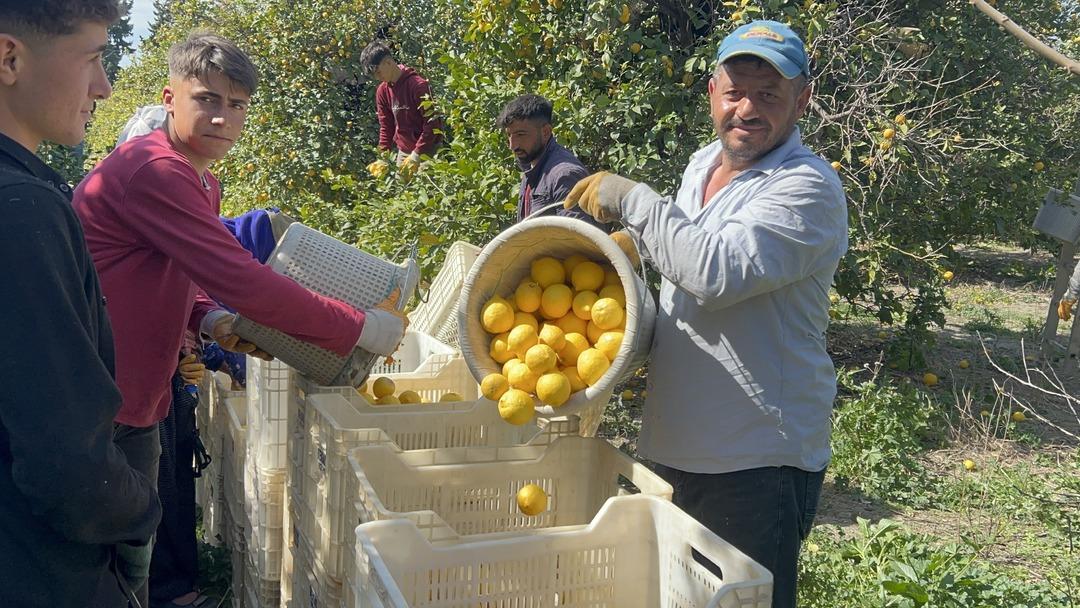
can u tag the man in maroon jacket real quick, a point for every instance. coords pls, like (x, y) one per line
(399, 104)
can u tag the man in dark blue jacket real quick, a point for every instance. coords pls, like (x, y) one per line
(69, 496)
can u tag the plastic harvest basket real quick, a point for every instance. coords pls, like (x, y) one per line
(506, 261)
(438, 316)
(334, 269)
(1059, 216)
(636, 553)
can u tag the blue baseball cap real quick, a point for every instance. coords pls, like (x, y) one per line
(774, 42)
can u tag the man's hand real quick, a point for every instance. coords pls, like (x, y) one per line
(1065, 309)
(626, 243)
(226, 339)
(600, 195)
(191, 370)
(378, 169)
(410, 165)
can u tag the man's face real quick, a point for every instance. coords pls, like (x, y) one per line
(384, 72)
(754, 108)
(527, 139)
(206, 116)
(51, 85)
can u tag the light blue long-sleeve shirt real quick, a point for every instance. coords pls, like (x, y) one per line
(739, 376)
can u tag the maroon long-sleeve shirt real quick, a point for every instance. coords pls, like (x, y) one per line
(151, 223)
(402, 120)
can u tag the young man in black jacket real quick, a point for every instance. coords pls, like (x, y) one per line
(69, 502)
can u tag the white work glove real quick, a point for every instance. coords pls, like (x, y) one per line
(601, 196)
(221, 331)
(382, 333)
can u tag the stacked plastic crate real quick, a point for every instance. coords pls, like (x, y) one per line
(437, 314)
(212, 422)
(233, 461)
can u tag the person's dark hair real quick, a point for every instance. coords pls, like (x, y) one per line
(204, 52)
(373, 54)
(525, 107)
(48, 18)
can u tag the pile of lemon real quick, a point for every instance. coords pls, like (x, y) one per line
(383, 389)
(555, 335)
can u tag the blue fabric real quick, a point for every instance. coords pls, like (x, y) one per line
(254, 232)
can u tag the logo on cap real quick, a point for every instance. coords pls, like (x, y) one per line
(762, 32)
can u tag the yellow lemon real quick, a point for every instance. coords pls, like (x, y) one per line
(547, 271)
(607, 314)
(573, 324)
(576, 383)
(836, 165)
(615, 292)
(575, 345)
(591, 366)
(947, 275)
(593, 333)
(627, 395)
(556, 301)
(522, 378)
(387, 400)
(521, 339)
(583, 303)
(500, 348)
(888, 133)
(497, 316)
(367, 397)
(532, 500)
(930, 379)
(493, 386)
(570, 263)
(409, 397)
(527, 296)
(509, 365)
(450, 396)
(541, 358)
(382, 387)
(553, 389)
(524, 318)
(516, 407)
(553, 336)
(969, 464)
(609, 343)
(611, 277)
(1017, 416)
(964, 364)
(587, 276)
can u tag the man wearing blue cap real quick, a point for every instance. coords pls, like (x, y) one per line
(740, 384)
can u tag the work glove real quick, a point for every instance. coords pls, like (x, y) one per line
(601, 196)
(623, 239)
(384, 326)
(1065, 309)
(191, 370)
(378, 169)
(226, 339)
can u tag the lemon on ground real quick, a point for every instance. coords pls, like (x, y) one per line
(547, 271)
(556, 301)
(409, 397)
(532, 500)
(387, 400)
(583, 303)
(541, 358)
(591, 366)
(609, 343)
(930, 379)
(1018, 416)
(509, 365)
(576, 383)
(516, 407)
(526, 318)
(627, 394)
(521, 339)
(575, 345)
(615, 292)
(493, 386)
(570, 263)
(450, 396)
(382, 387)
(500, 348)
(964, 364)
(607, 314)
(969, 464)
(553, 388)
(551, 335)
(611, 276)
(587, 276)
(522, 378)
(497, 316)
(527, 296)
(947, 275)
(572, 324)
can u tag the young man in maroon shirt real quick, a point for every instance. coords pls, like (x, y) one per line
(150, 213)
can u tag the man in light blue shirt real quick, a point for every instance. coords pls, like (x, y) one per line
(740, 384)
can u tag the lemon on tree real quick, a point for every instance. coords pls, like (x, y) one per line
(591, 366)
(607, 314)
(516, 407)
(541, 358)
(583, 303)
(497, 316)
(532, 500)
(556, 301)
(494, 386)
(553, 388)
(527, 296)
(547, 271)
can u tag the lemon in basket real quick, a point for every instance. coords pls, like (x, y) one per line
(576, 383)
(607, 314)
(509, 365)
(532, 500)
(583, 303)
(450, 396)
(521, 339)
(615, 292)
(609, 343)
(522, 378)
(541, 358)
(572, 324)
(500, 348)
(409, 397)
(587, 276)
(556, 301)
(387, 400)
(493, 386)
(571, 262)
(547, 271)
(382, 387)
(516, 407)
(611, 277)
(526, 318)
(497, 315)
(575, 345)
(591, 366)
(527, 296)
(553, 389)
(553, 336)
(593, 332)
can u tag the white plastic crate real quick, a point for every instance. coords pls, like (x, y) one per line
(234, 456)
(1059, 216)
(287, 551)
(260, 592)
(269, 387)
(438, 315)
(265, 501)
(312, 588)
(413, 355)
(334, 269)
(637, 552)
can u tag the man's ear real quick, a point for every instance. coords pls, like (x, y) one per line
(167, 98)
(546, 132)
(803, 99)
(12, 58)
